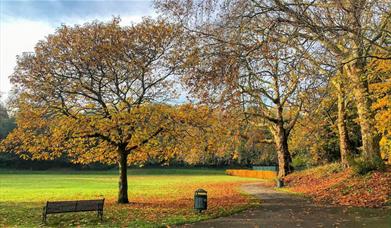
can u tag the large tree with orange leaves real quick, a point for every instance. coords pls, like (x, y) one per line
(238, 59)
(94, 92)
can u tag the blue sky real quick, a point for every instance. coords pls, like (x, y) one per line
(56, 12)
(24, 23)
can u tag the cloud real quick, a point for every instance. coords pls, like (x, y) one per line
(56, 12)
(24, 23)
(16, 37)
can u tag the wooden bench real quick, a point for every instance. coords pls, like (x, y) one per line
(56, 207)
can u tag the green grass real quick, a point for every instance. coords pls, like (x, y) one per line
(323, 170)
(24, 193)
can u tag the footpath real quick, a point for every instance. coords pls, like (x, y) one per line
(280, 209)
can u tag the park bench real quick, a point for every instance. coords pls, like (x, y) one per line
(56, 207)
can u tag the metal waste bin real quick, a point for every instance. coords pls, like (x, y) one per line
(280, 183)
(200, 200)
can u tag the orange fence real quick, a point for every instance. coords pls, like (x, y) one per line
(261, 174)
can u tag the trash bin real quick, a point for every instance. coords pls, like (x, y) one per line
(280, 183)
(200, 200)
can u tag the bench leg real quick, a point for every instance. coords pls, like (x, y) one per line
(44, 218)
(44, 215)
(100, 215)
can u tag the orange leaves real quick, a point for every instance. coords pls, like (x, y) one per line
(155, 209)
(89, 90)
(382, 105)
(371, 190)
(195, 134)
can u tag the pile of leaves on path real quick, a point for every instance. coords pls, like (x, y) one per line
(332, 185)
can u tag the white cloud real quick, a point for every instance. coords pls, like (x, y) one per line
(16, 37)
(125, 20)
(128, 20)
(21, 35)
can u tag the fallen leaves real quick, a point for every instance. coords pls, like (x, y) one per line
(344, 188)
(222, 199)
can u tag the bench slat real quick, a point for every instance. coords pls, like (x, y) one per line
(56, 207)
(89, 205)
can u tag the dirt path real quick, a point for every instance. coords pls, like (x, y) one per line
(280, 209)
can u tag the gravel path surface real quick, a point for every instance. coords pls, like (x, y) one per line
(280, 209)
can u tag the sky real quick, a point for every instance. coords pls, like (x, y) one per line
(24, 22)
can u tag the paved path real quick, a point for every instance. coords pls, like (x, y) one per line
(280, 209)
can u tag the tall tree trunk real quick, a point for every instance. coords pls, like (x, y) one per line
(344, 146)
(123, 178)
(366, 116)
(283, 155)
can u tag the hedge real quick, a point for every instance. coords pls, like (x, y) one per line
(261, 174)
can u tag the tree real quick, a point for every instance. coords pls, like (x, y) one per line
(344, 145)
(94, 92)
(205, 136)
(248, 61)
(7, 122)
(351, 31)
(3, 112)
(316, 136)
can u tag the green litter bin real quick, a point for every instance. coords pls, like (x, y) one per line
(279, 183)
(200, 200)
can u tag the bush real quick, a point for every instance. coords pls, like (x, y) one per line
(361, 166)
(261, 174)
(301, 161)
(334, 167)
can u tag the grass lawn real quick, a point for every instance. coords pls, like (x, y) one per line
(159, 196)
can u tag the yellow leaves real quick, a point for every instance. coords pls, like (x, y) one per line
(382, 104)
(90, 91)
(235, 155)
(91, 138)
(385, 145)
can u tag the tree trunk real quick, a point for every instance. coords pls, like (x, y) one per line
(342, 129)
(283, 155)
(366, 116)
(123, 178)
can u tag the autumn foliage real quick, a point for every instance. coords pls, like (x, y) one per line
(221, 197)
(277, 59)
(331, 185)
(381, 89)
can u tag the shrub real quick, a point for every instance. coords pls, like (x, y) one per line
(264, 174)
(361, 166)
(301, 161)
